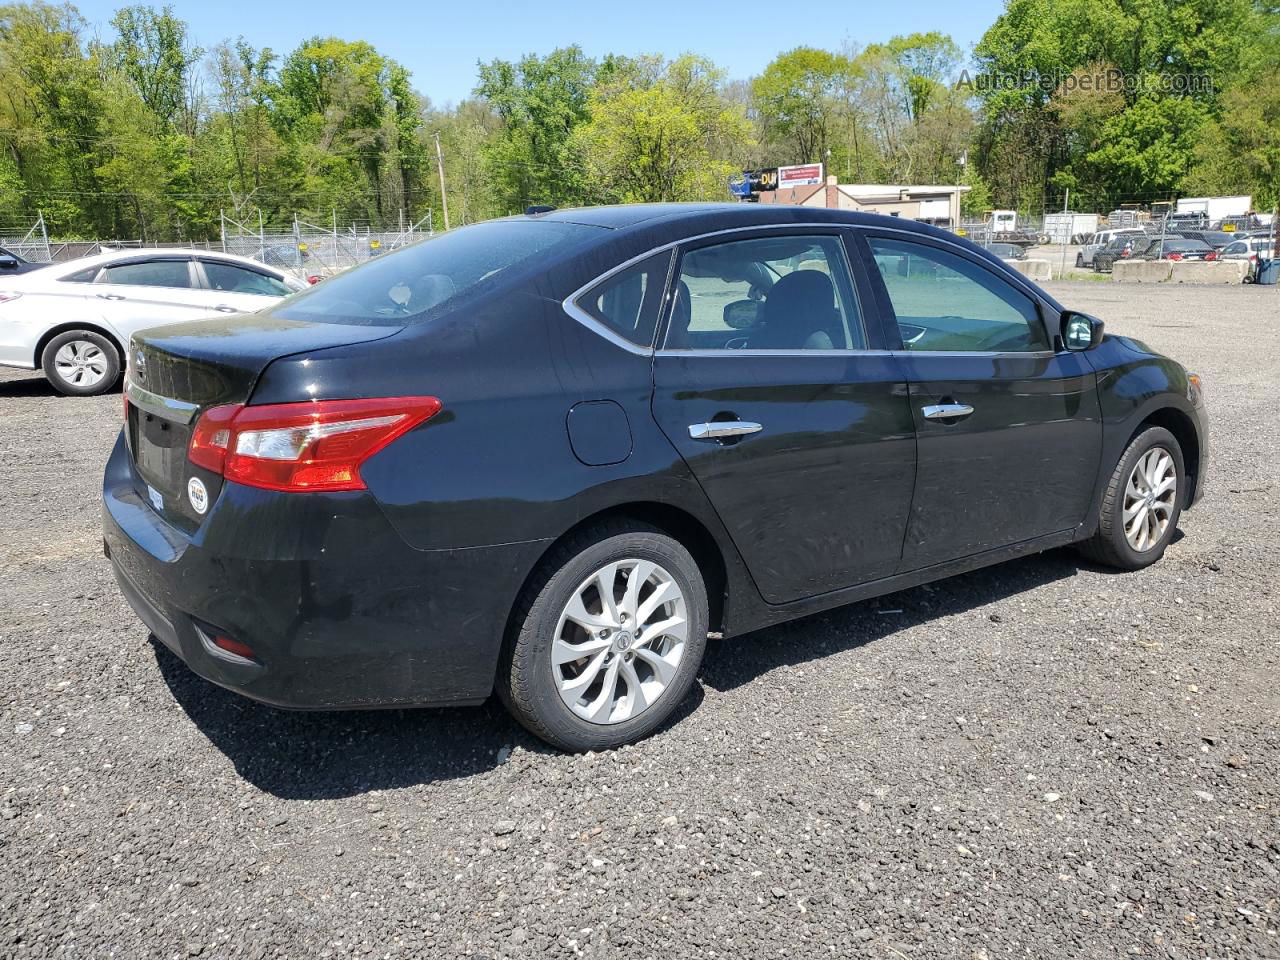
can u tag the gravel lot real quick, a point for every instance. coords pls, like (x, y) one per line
(1038, 760)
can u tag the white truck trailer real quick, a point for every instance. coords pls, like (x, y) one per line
(1215, 208)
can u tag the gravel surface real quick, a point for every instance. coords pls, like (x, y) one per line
(1037, 760)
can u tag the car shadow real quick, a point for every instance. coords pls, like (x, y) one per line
(327, 755)
(27, 387)
(37, 386)
(731, 663)
(324, 755)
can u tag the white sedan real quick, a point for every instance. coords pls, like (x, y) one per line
(73, 320)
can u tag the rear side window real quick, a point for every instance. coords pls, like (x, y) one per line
(151, 273)
(628, 302)
(419, 281)
(233, 279)
(944, 302)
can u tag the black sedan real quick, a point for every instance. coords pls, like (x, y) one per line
(548, 455)
(1120, 248)
(1176, 248)
(11, 264)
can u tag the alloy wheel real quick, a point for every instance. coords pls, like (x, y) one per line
(619, 641)
(81, 363)
(1149, 497)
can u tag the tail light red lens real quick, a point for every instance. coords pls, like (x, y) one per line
(1175, 256)
(317, 445)
(1211, 256)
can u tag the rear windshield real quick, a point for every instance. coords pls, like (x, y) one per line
(421, 281)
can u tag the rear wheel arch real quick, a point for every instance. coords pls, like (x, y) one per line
(682, 526)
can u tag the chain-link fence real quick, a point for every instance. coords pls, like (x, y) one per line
(314, 250)
(30, 241)
(303, 249)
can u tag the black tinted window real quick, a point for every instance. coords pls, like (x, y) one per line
(81, 276)
(409, 285)
(151, 273)
(628, 302)
(233, 279)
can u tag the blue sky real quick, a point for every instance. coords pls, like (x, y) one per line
(441, 42)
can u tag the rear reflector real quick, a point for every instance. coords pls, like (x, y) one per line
(316, 445)
(232, 646)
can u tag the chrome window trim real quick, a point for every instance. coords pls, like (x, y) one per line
(570, 306)
(746, 352)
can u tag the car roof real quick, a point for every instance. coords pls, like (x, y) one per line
(108, 257)
(693, 218)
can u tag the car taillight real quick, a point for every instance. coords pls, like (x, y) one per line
(314, 279)
(1175, 256)
(8, 295)
(1211, 256)
(315, 445)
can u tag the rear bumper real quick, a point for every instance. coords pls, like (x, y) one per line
(339, 611)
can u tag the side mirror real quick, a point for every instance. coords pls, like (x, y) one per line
(7, 262)
(1080, 331)
(741, 314)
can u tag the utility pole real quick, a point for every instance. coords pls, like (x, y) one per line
(444, 199)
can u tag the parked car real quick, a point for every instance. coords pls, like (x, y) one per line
(1100, 239)
(1249, 248)
(1217, 239)
(72, 320)
(1176, 248)
(11, 264)
(1006, 251)
(549, 454)
(1120, 248)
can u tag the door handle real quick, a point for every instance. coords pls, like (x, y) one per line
(110, 296)
(223, 308)
(719, 429)
(946, 411)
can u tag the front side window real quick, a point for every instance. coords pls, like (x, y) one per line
(150, 273)
(771, 293)
(233, 279)
(944, 302)
(628, 302)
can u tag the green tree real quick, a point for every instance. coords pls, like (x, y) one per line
(797, 101)
(541, 101)
(662, 131)
(154, 55)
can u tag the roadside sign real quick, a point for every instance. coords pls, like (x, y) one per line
(804, 175)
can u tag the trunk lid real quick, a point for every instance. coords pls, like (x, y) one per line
(177, 371)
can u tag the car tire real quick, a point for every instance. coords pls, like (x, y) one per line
(1113, 544)
(550, 693)
(81, 363)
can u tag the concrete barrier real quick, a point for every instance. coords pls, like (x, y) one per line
(1210, 271)
(1141, 271)
(1032, 269)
